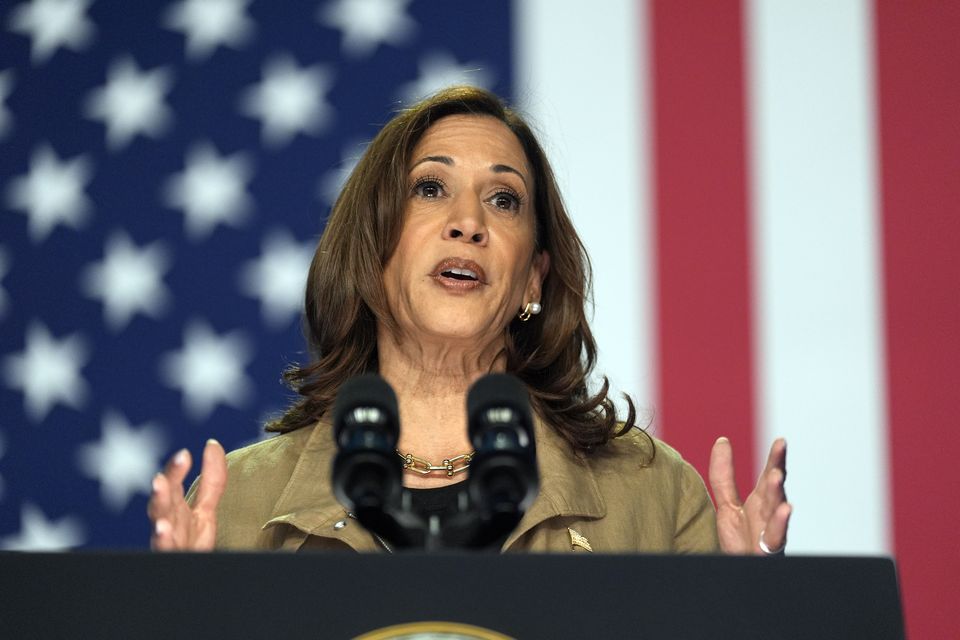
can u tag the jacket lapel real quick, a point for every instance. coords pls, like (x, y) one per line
(307, 503)
(567, 485)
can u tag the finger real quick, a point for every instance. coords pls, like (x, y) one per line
(177, 469)
(213, 476)
(162, 538)
(721, 473)
(167, 484)
(775, 491)
(775, 532)
(159, 504)
(163, 502)
(773, 494)
(777, 458)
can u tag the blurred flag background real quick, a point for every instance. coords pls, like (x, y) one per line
(770, 193)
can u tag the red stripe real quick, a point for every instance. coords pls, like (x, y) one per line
(705, 362)
(918, 77)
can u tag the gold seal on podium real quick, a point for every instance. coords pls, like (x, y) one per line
(433, 631)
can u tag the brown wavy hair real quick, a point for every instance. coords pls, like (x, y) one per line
(553, 353)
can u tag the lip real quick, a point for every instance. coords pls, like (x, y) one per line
(459, 264)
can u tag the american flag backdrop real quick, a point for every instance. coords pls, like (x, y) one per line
(769, 190)
(166, 171)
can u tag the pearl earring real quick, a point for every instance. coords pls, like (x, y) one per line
(532, 309)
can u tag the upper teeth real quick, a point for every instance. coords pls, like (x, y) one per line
(463, 272)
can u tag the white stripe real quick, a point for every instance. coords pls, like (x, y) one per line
(816, 244)
(578, 77)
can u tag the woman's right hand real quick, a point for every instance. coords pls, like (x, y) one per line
(177, 526)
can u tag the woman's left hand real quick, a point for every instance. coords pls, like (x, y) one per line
(761, 520)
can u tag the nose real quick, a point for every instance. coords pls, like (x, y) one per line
(466, 224)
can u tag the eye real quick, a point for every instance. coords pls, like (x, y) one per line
(429, 187)
(507, 200)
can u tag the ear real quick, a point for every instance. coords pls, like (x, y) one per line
(541, 266)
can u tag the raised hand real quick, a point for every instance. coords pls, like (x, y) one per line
(178, 526)
(757, 525)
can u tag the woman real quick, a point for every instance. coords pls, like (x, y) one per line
(449, 255)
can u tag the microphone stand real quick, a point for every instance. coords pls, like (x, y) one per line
(503, 480)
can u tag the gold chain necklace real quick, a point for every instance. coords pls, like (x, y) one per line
(425, 467)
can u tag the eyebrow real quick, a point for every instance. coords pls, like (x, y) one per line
(447, 160)
(505, 168)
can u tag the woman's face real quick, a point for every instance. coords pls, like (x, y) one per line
(465, 261)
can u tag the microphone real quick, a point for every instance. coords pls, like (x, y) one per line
(367, 473)
(503, 480)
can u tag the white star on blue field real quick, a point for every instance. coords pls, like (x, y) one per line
(131, 102)
(166, 169)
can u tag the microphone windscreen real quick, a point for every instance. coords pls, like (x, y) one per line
(366, 391)
(498, 390)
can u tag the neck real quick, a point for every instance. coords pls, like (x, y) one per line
(431, 383)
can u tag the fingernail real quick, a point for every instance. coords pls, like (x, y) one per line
(156, 483)
(212, 441)
(181, 457)
(161, 527)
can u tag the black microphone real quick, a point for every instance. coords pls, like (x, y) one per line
(503, 480)
(367, 472)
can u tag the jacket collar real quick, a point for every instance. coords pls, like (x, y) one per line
(567, 489)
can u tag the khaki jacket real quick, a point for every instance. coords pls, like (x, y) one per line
(279, 496)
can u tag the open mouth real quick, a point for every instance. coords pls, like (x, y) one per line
(459, 274)
(459, 270)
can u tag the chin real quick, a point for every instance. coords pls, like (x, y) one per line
(457, 326)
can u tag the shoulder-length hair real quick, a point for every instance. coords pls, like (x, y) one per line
(553, 353)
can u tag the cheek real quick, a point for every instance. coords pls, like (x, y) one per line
(405, 269)
(399, 261)
(414, 235)
(521, 260)
(393, 273)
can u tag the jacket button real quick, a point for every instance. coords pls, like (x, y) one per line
(339, 524)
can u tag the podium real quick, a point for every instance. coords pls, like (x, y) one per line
(346, 595)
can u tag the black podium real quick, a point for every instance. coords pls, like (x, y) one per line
(143, 595)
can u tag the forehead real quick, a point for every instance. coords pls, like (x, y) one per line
(483, 138)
